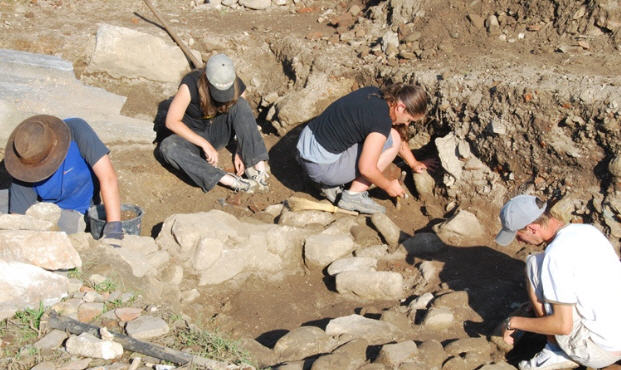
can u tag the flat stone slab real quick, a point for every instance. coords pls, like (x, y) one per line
(146, 327)
(43, 84)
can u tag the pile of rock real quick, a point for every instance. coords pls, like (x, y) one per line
(394, 340)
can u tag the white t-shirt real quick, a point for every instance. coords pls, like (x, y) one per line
(580, 267)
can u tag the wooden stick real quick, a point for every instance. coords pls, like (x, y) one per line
(72, 326)
(197, 63)
(300, 204)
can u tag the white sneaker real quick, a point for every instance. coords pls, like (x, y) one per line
(551, 357)
(260, 177)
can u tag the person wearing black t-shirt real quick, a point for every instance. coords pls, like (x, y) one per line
(356, 138)
(205, 114)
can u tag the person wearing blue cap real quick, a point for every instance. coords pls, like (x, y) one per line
(206, 113)
(568, 286)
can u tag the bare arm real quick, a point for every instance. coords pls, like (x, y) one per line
(367, 165)
(175, 124)
(109, 188)
(406, 154)
(560, 322)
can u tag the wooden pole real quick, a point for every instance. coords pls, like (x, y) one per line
(197, 63)
(72, 326)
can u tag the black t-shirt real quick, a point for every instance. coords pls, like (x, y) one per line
(350, 119)
(194, 116)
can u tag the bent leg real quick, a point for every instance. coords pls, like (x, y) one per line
(251, 146)
(187, 157)
(389, 153)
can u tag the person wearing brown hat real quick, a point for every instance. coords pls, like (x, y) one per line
(65, 163)
(207, 112)
(568, 286)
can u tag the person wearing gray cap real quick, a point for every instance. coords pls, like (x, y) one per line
(568, 286)
(204, 116)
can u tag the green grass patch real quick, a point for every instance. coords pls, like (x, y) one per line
(105, 286)
(31, 317)
(74, 274)
(211, 345)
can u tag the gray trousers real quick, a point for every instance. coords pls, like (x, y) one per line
(190, 159)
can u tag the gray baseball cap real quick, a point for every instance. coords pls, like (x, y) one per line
(515, 215)
(221, 78)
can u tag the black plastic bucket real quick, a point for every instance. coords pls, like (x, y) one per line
(97, 220)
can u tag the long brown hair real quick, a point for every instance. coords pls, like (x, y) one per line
(413, 97)
(209, 106)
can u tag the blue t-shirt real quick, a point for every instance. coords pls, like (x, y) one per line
(73, 185)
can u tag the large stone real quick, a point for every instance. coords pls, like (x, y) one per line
(142, 254)
(265, 250)
(447, 151)
(58, 92)
(25, 286)
(51, 340)
(431, 354)
(305, 218)
(429, 271)
(319, 91)
(392, 355)
(263, 356)
(303, 342)
(127, 313)
(439, 318)
(615, 166)
(464, 345)
(256, 4)
(423, 244)
(424, 184)
(44, 211)
(371, 284)
(355, 351)
(88, 345)
(462, 229)
(352, 264)
(224, 269)
(146, 327)
(125, 53)
(322, 249)
(387, 228)
(373, 331)
(87, 312)
(24, 222)
(50, 250)
(207, 253)
(335, 361)
(452, 299)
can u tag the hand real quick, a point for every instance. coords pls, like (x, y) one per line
(507, 336)
(211, 154)
(395, 189)
(113, 230)
(419, 167)
(239, 164)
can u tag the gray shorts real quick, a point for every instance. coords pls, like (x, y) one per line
(578, 344)
(343, 170)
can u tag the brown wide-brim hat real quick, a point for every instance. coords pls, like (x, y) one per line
(36, 148)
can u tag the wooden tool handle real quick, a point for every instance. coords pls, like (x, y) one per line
(197, 63)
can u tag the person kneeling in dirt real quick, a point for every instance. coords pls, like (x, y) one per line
(205, 114)
(356, 138)
(65, 163)
(569, 288)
